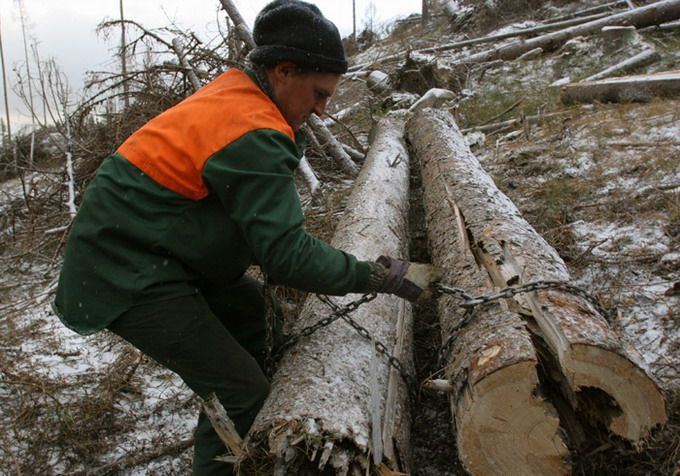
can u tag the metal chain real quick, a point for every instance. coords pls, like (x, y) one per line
(468, 302)
(379, 346)
(338, 312)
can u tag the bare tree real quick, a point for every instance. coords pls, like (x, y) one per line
(41, 79)
(4, 90)
(425, 15)
(22, 18)
(354, 20)
(123, 58)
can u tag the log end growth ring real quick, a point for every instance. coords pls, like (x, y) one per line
(506, 428)
(640, 405)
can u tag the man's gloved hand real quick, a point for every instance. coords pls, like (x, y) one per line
(412, 281)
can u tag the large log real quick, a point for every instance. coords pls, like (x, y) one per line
(590, 372)
(318, 413)
(640, 88)
(503, 425)
(658, 12)
(486, 39)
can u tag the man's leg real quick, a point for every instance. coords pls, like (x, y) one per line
(184, 335)
(242, 308)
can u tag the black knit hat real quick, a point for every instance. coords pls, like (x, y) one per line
(297, 31)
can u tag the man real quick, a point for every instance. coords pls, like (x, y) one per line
(166, 230)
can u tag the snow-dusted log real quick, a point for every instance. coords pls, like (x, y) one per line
(589, 11)
(643, 58)
(658, 12)
(309, 176)
(582, 359)
(318, 412)
(503, 424)
(333, 146)
(623, 89)
(435, 97)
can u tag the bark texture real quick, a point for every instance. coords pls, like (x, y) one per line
(503, 424)
(586, 361)
(623, 89)
(318, 413)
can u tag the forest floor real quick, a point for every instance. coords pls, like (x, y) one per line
(601, 182)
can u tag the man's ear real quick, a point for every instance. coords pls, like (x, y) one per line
(285, 70)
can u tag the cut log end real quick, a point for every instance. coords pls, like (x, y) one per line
(636, 406)
(506, 428)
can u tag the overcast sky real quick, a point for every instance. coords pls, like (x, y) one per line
(65, 29)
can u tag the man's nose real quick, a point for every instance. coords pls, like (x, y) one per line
(320, 106)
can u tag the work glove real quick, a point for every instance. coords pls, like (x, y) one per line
(411, 281)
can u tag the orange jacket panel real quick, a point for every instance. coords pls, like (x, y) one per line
(173, 147)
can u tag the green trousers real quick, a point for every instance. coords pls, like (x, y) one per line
(215, 341)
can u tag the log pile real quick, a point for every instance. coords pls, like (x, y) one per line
(318, 414)
(533, 368)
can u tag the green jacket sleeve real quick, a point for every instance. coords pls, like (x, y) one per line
(253, 178)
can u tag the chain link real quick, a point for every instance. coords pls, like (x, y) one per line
(468, 302)
(274, 356)
(379, 346)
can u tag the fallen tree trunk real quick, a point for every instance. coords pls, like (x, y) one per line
(653, 14)
(318, 414)
(503, 425)
(589, 11)
(537, 119)
(643, 58)
(590, 373)
(486, 39)
(626, 88)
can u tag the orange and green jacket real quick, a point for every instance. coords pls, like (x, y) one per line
(194, 197)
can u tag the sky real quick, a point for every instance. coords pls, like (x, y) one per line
(65, 29)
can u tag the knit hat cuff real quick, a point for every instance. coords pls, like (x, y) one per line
(272, 54)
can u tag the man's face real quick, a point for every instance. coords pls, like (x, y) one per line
(299, 94)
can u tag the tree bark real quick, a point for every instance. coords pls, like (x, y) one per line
(581, 358)
(503, 425)
(318, 412)
(626, 88)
